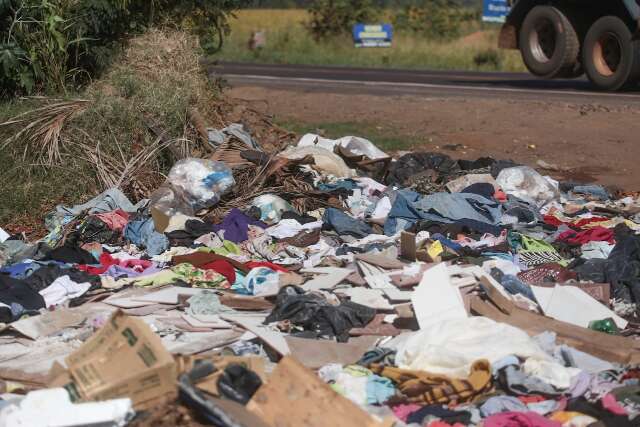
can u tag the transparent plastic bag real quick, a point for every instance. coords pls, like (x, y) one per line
(192, 184)
(271, 208)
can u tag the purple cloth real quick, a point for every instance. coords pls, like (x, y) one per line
(117, 271)
(235, 226)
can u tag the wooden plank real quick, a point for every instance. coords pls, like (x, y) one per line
(608, 347)
(503, 303)
(294, 396)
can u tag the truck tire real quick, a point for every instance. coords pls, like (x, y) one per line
(610, 56)
(548, 43)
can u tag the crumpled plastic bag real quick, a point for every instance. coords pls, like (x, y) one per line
(353, 144)
(271, 208)
(192, 184)
(325, 160)
(527, 184)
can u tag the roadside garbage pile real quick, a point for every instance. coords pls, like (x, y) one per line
(328, 284)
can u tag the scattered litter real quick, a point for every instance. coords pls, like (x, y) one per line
(328, 285)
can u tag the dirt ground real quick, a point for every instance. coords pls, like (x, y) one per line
(586, 142)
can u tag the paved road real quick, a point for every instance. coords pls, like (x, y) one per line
(417, 82)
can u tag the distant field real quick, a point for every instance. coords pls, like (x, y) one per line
(289, 42)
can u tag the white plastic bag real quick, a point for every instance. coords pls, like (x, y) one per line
(271, 208)
(527, 184)
(192, 184)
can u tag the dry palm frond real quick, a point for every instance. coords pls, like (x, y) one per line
(254, 181)
(229, 153)
(42, 128)
(126, 173)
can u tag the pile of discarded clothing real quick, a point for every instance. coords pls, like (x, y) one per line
(328, 284)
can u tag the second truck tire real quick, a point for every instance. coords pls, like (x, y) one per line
(548, 43)
(610, 56)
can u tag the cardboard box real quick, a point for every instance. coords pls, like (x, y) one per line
(125, 358)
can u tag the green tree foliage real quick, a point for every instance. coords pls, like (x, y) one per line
(47, 45)
(439, 19)
(334, 17)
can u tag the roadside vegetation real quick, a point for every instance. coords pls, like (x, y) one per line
(99, 94)
(440, 37)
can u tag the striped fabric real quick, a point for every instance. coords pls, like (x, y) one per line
(427, 388)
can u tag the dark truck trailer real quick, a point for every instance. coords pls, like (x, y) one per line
(568, 38)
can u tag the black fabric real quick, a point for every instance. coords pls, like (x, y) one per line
(607, 418)
(302, 219)
(93, 229)
(313, 313)
(192, 230)
(414, 163)
(238, 383)
(70, 255)
(623, 268)
(481, 163)
(380, 355)
(441, 412)
(47, 274)
(470, 227)
(15, 291)
(499, 165)
(483, 189)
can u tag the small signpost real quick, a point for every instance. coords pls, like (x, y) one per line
(379, 35)
(495, 10)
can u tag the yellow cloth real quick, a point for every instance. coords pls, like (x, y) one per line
(428, 388)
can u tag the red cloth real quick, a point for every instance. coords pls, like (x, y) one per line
(552, 220)
(106, 261)
(532, 398)
(595, 234)
(254, 264)
(223, 267)
(500, 196)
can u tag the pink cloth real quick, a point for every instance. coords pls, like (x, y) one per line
(116, 220)
(107, 261)
(519, 419)
(403, 411)
(610, 403)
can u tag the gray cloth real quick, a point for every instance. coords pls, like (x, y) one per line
(206, 303)
(107, 201)
(410, 207)
(596, 191)
(499, 404)
(526, 212)
(218, 137)
(517, 382)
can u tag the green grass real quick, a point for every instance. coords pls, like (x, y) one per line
(386, 138)
(157, 77)
(289, 42)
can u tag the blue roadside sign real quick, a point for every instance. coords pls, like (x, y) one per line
(495, 10)
(379, 35)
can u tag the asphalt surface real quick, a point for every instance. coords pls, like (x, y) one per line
(391, 82)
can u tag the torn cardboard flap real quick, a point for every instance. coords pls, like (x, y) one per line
(125, 358)
(295, 396)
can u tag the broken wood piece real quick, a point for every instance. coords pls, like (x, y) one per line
(328, 277)
(409, 249)
(273, 339)
(314, 354)
(243, 302)
(608, 347)
(502, 302)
